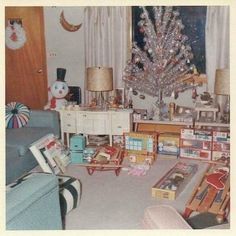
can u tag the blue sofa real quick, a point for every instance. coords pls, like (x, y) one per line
(32, 203)
(19, 159)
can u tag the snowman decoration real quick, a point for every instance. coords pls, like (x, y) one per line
(58, 91)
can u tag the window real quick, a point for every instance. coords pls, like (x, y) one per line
(194, 20)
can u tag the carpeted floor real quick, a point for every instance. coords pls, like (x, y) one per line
(111, 202)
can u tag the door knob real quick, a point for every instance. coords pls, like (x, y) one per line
(39, 71)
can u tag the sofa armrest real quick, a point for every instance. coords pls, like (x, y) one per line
(45, 118)
(32, 203)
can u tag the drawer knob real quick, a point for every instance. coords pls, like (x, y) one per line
(69, 125)
(119, 127)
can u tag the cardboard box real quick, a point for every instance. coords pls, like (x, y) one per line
(174, 181)
(196, 144)
(221, 136)
(221, 146)
(141, 147)
(195, 154)
(220, 156)
(168, 143)
(196, 134)
(141, 157)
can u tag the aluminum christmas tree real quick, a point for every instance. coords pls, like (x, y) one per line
(158, 68)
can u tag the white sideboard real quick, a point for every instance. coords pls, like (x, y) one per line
(97, 122)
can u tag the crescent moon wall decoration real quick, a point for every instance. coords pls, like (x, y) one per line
(66, 25)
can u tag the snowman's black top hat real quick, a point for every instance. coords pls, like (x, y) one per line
(61, 72)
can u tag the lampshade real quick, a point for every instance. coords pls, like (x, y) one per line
(222, 81)
(99, 79)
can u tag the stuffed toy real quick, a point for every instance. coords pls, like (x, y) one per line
(58, 91)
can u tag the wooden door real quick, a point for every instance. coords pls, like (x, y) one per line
(26, 74)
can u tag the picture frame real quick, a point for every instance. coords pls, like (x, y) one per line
(51, 154)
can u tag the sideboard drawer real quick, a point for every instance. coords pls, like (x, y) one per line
(120, 123)
(69, 115)
(69, 125)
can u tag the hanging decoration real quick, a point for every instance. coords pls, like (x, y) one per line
(66, 25)
(15, 36)
(157, 69)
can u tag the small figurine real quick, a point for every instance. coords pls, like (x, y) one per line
(93, 103)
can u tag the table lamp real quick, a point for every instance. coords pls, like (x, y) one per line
(100, 79)
(222, 90)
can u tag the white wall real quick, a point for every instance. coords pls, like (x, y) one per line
(65, 49)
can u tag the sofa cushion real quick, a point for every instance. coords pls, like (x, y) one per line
(22, 138)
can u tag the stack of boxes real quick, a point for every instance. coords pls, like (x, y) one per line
(196, 144)
(205, 145)
(221, 146)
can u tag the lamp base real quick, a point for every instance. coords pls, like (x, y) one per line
(102, 103)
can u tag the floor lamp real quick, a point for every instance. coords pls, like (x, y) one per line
(100, 79)
(222, 91)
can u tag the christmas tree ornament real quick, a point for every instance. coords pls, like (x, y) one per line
(160, 65)
(141, 96)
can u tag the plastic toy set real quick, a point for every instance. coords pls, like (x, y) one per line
(78, 152)
(141, 147)
(168, 144)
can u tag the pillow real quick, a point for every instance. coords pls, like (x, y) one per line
(16, 115)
